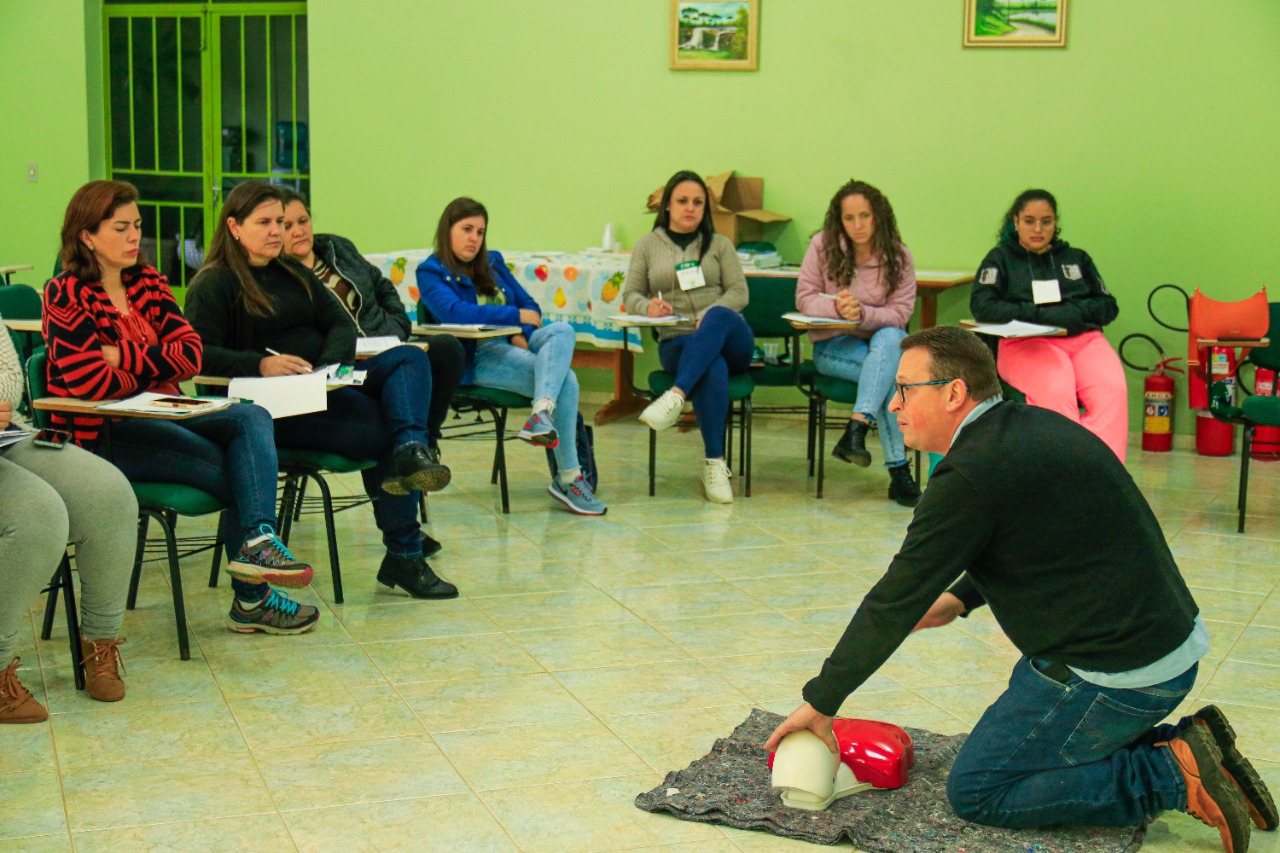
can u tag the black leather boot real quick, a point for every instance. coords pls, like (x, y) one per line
(852, 446)
(902, 487)
(414, 576)
(412, 470)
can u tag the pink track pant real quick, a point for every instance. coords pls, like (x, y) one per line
(1066, 374)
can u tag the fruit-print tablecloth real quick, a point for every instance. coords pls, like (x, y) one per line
(579, 289)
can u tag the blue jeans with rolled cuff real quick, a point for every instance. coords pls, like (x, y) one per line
(873, 365)
(1070, 752)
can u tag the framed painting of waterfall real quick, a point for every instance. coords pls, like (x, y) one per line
(715, 35)
(1015, 23)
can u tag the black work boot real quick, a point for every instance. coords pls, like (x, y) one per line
(902, 487)
(852, 446)
(414, 576)
(412, 470)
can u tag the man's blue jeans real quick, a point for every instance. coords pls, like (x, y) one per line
(543, 371)
(1075, 753)
(874, 366)
(702, 363)
(373, 421)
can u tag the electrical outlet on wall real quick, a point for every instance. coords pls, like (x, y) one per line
(33, 172)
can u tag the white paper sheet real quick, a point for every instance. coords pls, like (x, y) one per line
(810, 320)
(283, 396)
(373, 346)
(642, 320)
(145, 402)
(1014, 329)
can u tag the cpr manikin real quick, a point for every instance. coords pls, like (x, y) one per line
(872, 755)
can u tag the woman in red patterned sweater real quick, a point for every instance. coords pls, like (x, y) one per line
(113, 330)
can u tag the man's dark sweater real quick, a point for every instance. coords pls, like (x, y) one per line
(1053, 534)
(308, 322)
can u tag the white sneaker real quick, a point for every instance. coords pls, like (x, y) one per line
(715, 481)
(663, 412)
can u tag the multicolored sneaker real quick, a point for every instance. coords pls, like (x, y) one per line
(538, 430)
(577, 496)
(277, 614)
(265, 559)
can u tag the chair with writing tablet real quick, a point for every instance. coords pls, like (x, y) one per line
(161, 502)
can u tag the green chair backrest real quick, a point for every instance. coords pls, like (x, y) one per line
(20, 302)
(38, 384)
(770, 299)
(1269, 356)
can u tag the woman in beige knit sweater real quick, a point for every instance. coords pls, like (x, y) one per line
(684, 268)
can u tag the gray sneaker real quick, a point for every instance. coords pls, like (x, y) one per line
(277, 614)
(577, 496)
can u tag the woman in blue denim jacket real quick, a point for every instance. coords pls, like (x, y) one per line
(462, 282)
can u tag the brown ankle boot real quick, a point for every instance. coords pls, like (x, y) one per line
(1211, 796)
(17, 705)
(102, 667)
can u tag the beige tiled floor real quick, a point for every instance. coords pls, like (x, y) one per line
(586, 658)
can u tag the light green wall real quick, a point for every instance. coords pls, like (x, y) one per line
(44, 101)
(1155, 127)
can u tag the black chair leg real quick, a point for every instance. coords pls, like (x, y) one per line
(216, 564)
(743, 408)
(290, 498)
(653, 458)
(748, 430)
(500, 458)
(51, 605)
(73, 621)
(499, 430)
(822, 442)
(813, 428)
(175, 581)
(1246, 447)
(144, 521)
(332, 533)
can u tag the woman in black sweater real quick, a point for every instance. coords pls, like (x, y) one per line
(262, 315)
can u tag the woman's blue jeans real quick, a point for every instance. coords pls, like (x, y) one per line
(874, 366)
(702, 363)
(1049, 752)
(543, 371)
(373, 421)
(230, 453)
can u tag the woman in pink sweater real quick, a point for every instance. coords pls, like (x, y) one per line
(857, 269)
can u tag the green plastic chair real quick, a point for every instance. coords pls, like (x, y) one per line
(161, 502)
(741, 387)
(496, 402)
(1256, 411)
(770, 299)
(829, 389)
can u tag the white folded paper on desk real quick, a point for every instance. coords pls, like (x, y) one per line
(1014, 329)
(146, 402)
(13, 436)
(373, 346)
(643, 320)
(810, 320)
(283, 396)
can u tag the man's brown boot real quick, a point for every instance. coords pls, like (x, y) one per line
(1212, 797)
(17, 705)
(102, 667)
(1262, 808)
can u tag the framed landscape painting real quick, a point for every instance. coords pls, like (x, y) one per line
(1015, 23)
(717, 35)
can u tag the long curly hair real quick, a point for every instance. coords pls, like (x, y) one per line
(838, 249)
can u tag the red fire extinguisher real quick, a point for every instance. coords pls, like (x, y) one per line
(1215, 437)
(1157, 408)
(1266, 439)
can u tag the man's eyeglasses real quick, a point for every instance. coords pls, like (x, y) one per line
(903, 386)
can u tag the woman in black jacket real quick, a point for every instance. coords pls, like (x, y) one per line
(262, 315)
(1033, 276)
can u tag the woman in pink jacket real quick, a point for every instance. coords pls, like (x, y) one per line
(857, 269)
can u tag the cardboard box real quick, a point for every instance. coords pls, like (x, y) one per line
(737, 207)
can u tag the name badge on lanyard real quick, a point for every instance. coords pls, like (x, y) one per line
(689, 274)
(1045, 291)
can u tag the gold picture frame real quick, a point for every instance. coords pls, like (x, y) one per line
(708, 35)
(1015, 23)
